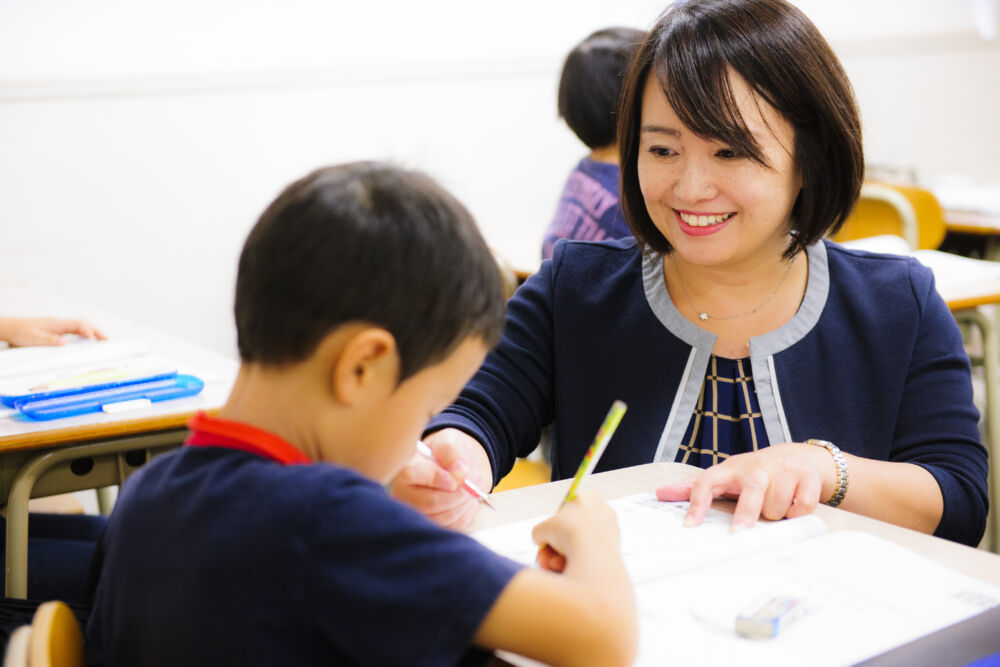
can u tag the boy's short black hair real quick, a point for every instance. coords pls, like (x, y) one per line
(366, 242)
(591, 83)
(788, 64)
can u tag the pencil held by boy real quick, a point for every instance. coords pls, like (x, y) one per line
(365, 299)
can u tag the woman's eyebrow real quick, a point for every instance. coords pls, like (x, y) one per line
(659, 129)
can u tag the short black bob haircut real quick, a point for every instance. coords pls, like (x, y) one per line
(591, 83)
(787, 63)
(366, 242)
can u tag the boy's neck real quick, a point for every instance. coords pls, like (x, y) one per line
(606, 154)
(270, 399)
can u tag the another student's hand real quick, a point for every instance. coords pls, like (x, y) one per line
(780, 481)
(432, 490)
(19, 332)
(583, 530)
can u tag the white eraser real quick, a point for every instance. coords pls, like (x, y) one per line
(125, 406)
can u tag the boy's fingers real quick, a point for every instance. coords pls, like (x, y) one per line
(550, 559)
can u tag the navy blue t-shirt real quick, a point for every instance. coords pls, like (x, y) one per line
(219, 556)
(588, 208)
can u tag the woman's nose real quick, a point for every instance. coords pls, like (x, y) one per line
(695, 181)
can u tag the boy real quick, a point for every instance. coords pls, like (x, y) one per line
(589, 87)
(365, 299)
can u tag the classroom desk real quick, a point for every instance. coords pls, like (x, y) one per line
(986, 225)
(979, 632)
(98, 450)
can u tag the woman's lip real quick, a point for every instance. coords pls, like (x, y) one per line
(691, 230)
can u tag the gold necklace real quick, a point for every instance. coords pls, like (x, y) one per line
(703, 315)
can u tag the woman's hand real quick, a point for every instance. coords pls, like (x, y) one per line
(21, 332)
(786, 480)
(435, 488)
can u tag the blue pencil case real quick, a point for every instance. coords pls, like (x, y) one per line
(69, 403)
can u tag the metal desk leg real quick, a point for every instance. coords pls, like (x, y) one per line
(991, 370)
(25, 479)
(105, 500)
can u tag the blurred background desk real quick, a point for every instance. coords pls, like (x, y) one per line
(99, 450)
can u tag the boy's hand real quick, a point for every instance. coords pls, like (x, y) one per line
(435, 489)
(21, 332)
(583, 531)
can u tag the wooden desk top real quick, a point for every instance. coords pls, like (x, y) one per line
(543, 499)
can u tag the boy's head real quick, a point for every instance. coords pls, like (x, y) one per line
(365, 242)
(591, 83)
(365, 299)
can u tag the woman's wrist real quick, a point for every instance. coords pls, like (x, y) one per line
(841, 478)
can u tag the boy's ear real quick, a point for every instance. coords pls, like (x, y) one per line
(368, 360)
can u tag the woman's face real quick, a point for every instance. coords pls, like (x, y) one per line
(715, 207)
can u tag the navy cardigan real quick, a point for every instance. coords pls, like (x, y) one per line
(872, 361)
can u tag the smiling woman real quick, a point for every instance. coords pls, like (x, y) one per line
(794, 370)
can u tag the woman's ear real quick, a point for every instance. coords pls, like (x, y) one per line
(368, 362)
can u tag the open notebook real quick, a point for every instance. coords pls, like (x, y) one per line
(863, 595)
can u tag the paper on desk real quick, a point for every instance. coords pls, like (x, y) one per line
(655, 542)
(39, 359)
(864, 595)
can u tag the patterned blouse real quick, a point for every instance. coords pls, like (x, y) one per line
(726, 418)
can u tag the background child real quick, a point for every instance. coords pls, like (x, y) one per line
(23, 331)
(60, 546)
(365, 300)
(589, 88)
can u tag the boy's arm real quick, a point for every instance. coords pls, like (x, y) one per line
(584, 616)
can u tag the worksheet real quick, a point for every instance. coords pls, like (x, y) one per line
(859, 595)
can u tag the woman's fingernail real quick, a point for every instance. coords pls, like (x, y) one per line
(689, 521)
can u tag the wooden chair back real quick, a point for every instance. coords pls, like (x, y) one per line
(56, 639)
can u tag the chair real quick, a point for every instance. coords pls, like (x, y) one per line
(56, 639)
(910, 212)
(916, 215)
(17, 647)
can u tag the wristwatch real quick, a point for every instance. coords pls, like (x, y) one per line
(840, 490)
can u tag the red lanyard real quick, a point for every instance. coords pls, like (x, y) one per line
(213, 432)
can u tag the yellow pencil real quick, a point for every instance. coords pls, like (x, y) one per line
(593, 454)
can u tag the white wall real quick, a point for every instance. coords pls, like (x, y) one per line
(140, 140)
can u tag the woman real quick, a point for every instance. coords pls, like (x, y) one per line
(794, 370)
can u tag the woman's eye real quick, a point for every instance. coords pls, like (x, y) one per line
(661, 151)
(728, 154)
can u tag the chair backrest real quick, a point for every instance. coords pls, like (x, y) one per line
(56, 640)
(910, 212)
(16, 654)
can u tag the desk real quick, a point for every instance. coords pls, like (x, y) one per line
(986, 225)
(97, 450)
(543, 499)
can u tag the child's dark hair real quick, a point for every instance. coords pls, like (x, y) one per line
(787, 63)
(591, 83)
(366, 242)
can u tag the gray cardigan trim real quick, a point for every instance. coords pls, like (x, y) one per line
(762, 349)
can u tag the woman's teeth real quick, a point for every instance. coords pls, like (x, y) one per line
(704, 220)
